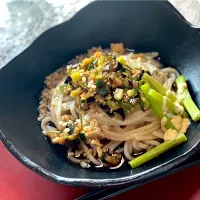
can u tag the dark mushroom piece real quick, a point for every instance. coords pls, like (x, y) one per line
(68, 80)
(120, 111)
(118, 66)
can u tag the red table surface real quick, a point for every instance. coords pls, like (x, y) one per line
(19, 183)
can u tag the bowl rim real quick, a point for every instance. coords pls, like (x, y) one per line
(167, 166)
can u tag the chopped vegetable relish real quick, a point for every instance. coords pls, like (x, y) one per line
(105, 77)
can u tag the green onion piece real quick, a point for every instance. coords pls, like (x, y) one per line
(155, 106)
(102, 91)
(91, 65)
(145, 89)
(71, 128)
(153, 153)
(99, 83)
(157, 86)
(83, 100)
(159, 98)
(188, 102)
(82, 136)
(125, 106)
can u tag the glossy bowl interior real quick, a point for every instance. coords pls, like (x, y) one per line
(143, 26)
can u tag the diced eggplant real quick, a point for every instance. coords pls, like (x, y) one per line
(68, 80)
(128, 84)
(106, 109)
(51, 124)
(119, 66)
(90, 100)
(106, 68)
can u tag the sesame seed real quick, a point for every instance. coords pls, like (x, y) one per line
(68, 67)
(64, 124)
(44, 132)
(70, 154)
(66, 130)
(93, 86)
(55, 139)
(83, 165)
(70, 122)
(88, 128)
(60, 122)
(90, 83)
(83, 79)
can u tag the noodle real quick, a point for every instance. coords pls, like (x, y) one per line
(142, 145)
(44, 122)
(126, 151)
(152, 142)
(89, 155)
(113, 146)
(135, 145)
(97, 108)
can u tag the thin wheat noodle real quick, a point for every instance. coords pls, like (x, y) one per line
(89, 155)
(152, 142)
(113, 146)
(145, 137)
(158, 134)
(135, 145)
(67, 98)
(170, 70)
(59, 107)
(126, 152)
(108, 145)
(130, 148)
(44, 122)
(129, 137)
(94, 150)
(139, 131)
(142, 145)
(73, 113)
(131, 119)
(121, 150)
(150, 147)
(75, 160)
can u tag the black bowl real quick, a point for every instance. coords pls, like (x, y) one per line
(144, 26)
